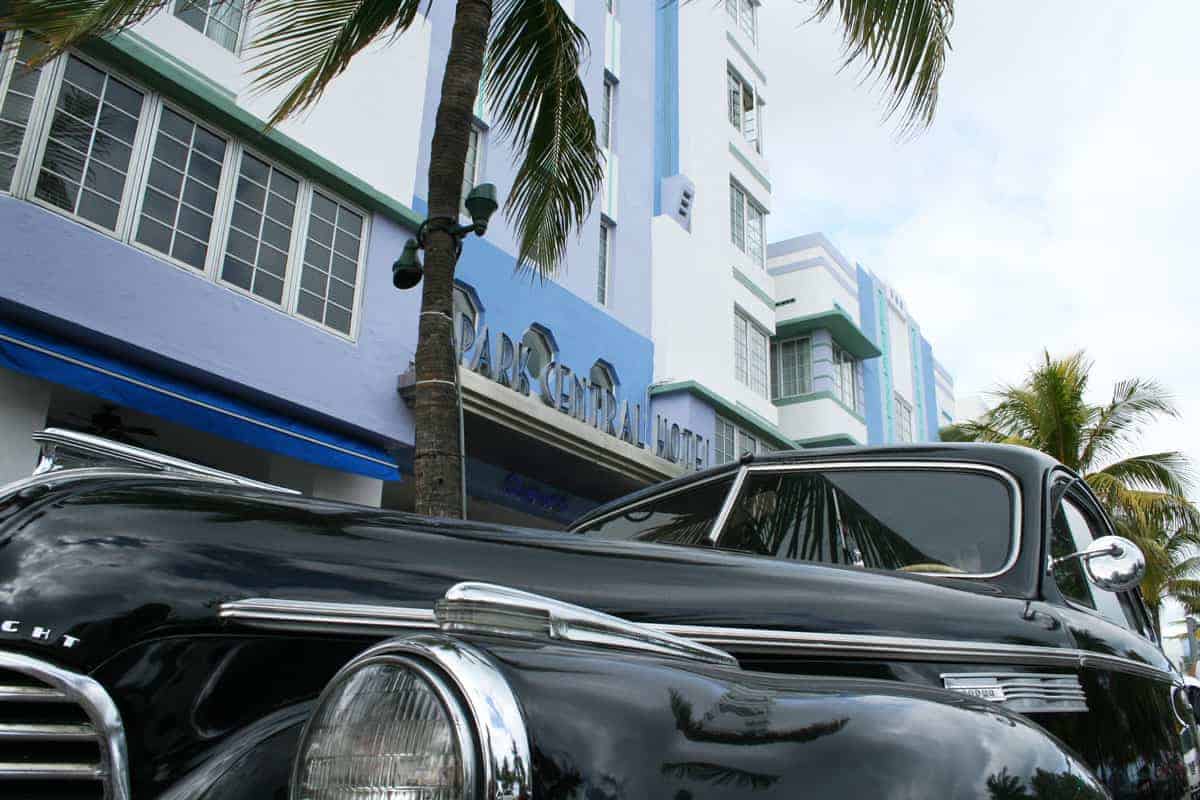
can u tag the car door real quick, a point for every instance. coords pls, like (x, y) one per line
(1138, 722)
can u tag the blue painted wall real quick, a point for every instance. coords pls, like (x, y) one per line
(872, 388)
(96, 290)
(930, 387)
(629, 294)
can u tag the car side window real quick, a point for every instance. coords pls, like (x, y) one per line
(685, 517)
(1072, 530)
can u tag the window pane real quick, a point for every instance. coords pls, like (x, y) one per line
(14, 112)
(90, 101)
(748, 19)
(180, 163)
(331, 220)
(741, 355)
(737, 216)
(867, 517)
(735, 100)
(257, 252)
(219, 20)
(684, 518)
(602, 275)
(754, 233)
(758, 361)
(723, 441)
(606, 116)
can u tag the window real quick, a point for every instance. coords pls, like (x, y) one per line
(744, 109)
(749, 18)
(602, 275)
(331, 256)
(868, 518)
(731, 8)
(731, 442)
(750, 353)
(16, 107)
(746, 224)
(219, 20)
(845, 379)
(471, 168)
(904, 420)
(260, 231)
(181, 190)
(791, 368)
(90, 143)
(1072, 530)
(606, 114)
(684, 517)
(120, 159)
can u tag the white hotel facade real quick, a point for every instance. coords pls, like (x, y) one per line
(176, 276)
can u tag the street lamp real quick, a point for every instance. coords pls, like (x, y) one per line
(481, 203)
(407, 272)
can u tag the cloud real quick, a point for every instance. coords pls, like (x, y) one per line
(1051, 205)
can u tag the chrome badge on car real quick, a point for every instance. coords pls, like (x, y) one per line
(17, 629)
(1025, 692)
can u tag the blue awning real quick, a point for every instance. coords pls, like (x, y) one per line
(119, 382)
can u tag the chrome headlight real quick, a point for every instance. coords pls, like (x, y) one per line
(426, 718)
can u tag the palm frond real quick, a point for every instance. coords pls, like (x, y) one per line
(903, 43)
(63, 24)
(1168, 473)
(539, 102)
(1134, 402)
(305, 44)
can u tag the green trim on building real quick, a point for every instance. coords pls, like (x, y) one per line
(814, 396)
(840, 326)
(164, 73)
(762, 77)
(753, 170)
(738, 411)
(835, 440)
(746, 281)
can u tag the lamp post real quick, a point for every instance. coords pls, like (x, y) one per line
(407, 272)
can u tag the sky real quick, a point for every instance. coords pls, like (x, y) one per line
(1053, 204)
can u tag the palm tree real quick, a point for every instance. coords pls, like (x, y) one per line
(1172, 560)
(527, 54)
(1146, 494)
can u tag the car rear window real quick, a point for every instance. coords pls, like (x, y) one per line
(914, 520)
(684, 517)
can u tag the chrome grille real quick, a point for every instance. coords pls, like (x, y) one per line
(60, 735)
(1029, 693)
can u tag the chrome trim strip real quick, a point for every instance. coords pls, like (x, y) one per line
(960, 466)
(500, 611)
(31, 694)
(101, 710)
(126, 455)
(395, 621)
(21, 771)
(318, 617)
(727, 506)
(46, 731)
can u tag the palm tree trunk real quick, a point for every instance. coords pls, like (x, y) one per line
(437, 462)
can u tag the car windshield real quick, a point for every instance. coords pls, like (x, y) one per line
(679, 517)
(914, 520)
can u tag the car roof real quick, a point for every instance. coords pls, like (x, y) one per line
(1013, 458)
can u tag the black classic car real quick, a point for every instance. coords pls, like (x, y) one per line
(931, 621)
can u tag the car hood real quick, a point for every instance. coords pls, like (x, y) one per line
(109, 563)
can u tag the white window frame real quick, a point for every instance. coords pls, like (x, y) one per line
(804, 380)
(32, 153)
(848, 393)
(743, 353)
(604, 264)
(743, 15)
(8, 63)
(476, 166)
(747, 204)
(904, 414)
(243, 26)
(608, 102)
(734, 79)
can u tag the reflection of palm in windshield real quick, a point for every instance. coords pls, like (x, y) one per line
(880, 519)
